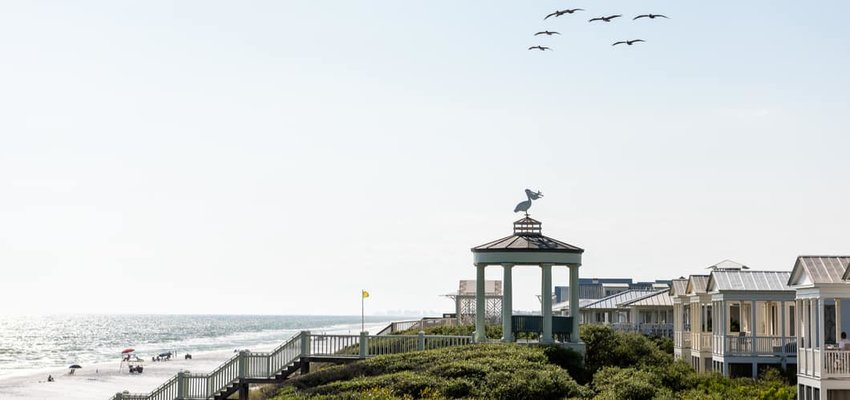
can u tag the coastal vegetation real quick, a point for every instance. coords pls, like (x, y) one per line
(617, 366)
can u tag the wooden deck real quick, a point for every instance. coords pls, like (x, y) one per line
(295, 355)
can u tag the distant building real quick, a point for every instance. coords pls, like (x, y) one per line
(597, 288)
(465, 302)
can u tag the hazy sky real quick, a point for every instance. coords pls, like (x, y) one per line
(278, 156)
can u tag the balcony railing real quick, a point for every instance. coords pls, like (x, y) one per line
(701, 341)
(682, 339)
(651, 329)
(824, 363)
(727, 345)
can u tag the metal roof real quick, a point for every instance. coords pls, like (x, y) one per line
(697, 284)
(819, 270)
(720, 281)
(527, 237)
(660, 298)
(728, 264)
(679, 287)
(613, 301)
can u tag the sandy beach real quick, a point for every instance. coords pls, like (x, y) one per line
(102, 380)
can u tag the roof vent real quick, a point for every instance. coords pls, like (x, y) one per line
(528, 227)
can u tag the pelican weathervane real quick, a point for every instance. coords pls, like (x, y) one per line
(525, 205)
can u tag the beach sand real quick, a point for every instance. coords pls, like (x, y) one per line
(102, 380)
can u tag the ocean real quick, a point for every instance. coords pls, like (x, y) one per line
(38, 342)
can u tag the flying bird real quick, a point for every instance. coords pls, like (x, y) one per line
(562, 12)
(628, 42)
(547, 33)
(541, 48)
(606, 19)
(650, 16)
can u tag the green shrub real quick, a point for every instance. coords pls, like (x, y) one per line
(626, 383)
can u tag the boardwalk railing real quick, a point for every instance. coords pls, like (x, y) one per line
(269, 365)
(421, 324)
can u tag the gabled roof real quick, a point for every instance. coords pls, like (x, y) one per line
(679, 287)
(660, 298)
(697, 284)
(728, 264)
(720, 281)
(815, 270)
(613, 301)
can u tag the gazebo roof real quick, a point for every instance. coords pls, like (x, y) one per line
(527, 237)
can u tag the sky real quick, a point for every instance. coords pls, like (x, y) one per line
(276, 157)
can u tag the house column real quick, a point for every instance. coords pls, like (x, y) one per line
(820, 324)
(574, 303)
(547, 302)
(838, 320)
(507, 304)
(782, 341)
(480, 327)
(753, 332)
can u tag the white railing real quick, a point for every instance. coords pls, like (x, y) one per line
(420, 324)
(267, 365)
(701, 341)
(836, 364)
(651, 329)
(755, 345)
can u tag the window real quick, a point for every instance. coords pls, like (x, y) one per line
(792, 325)
(735, 318)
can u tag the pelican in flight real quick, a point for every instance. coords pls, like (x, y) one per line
(541, 48)
(628, 42)
(650, 16)
(525, 205)
(547, 33)
(557, 14)
(606, 19)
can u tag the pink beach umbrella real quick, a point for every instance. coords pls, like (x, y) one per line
(128, 350)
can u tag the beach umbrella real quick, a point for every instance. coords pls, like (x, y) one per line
(166, 354)
(75, 366)
(128, 350)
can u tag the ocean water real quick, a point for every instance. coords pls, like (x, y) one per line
(35, 342)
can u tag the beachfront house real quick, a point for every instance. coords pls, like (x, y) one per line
(823, 304)
(753, 321)
(681, 319)
(699, 302)
(609, 310)
(651, 314)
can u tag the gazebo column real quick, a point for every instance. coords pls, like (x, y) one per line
(480, 323)
(507, 300)
(547, 302)
(574, 303)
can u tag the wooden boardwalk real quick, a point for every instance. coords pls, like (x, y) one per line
(295, 355)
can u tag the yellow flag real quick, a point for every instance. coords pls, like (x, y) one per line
(365, 294)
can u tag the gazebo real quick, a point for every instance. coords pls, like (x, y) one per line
(527, 246)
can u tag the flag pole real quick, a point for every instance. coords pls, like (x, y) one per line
(362, 314)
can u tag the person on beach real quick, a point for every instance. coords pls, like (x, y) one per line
(50, 378)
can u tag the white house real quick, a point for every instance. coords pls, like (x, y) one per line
(681, 319)
(753, 321)
(699, 302)
(823, 368)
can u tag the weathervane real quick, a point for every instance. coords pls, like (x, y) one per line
(525, 205)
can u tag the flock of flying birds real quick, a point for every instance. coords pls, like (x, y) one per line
(609, 18)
